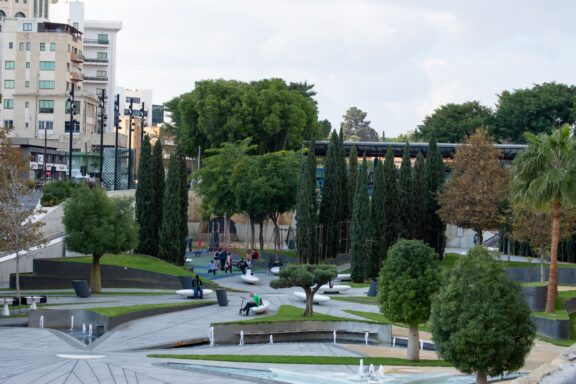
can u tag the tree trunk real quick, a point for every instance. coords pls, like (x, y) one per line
(261, 237)
(413, 351)
(252, 234)
(542, 277)
(274, 218)
(552, 279)
(481, 378)
(18, 275)
(309, 311)
(480, 237)
(95, 278)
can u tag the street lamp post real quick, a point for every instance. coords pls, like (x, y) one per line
(117, 125)
(102, 99)
(142, 125)
(71, 127)
(130, 145)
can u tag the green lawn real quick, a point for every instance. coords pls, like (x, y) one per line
(289, 313)
(356, 299)
(329, 360)
(380, 318)
(119, 311)
(142, 262)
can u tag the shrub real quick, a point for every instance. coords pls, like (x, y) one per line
(56, 192)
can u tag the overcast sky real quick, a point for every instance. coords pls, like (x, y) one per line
(396, 60)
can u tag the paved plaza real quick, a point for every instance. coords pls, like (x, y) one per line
(33, 355)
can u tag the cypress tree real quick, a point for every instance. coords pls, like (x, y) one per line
(435, 228)
(360, 228)
(405, 197)
(158, 183)
(306, 210)
(171, 240)
(419, 202)
(378, 219)
(390, 199)
(352, 174)
(329, 205)
(147, 234)
(345, 214)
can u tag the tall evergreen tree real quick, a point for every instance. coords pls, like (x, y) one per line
(352, 174)
(329, 205)
(306, 206)
(360, 231)
(420, 188)
(405, 197)
(435, 228)
(390, 199)
(158, 183)
(345, 214)
(147, 234)
(184, 188)
(378, 219)
(171, 239)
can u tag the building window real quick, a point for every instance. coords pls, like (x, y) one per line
(27, 65)
(47, 65)
(27, 84)
(46, 106)
(76, 106)
(47, 84)
(53, 47)
(8, 103)
(27, 104)
(48, 125)
(8, 84)
(8, 123)
(21, 46)
(75, 25)
(20, 14)
(27, 27)
(101, 73)
(135, 100)
(42, 46)
(11, 45)
(28, 46)
(9, 64)
(102, 38)
(102, 55)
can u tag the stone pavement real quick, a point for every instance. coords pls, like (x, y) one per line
(31, 355)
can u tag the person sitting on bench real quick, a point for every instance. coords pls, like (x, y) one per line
(256, 302)
(197, 287)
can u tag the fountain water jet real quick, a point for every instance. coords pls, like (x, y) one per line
(71, 322)
(83, 328)
(211, 336)
(361, 368)
(271, 339)
(90, 330)
(241, 338)
(334, 335)
(41, 323)
(371, 371)
(381, 371)
(366, 335)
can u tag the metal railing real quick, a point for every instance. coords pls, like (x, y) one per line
(96, 41)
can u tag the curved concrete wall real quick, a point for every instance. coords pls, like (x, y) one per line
(535, 297)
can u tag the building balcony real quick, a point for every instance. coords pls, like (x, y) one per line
(76, 58)
(96, 79)
(76, 77)
(91, 60)
(96, 42)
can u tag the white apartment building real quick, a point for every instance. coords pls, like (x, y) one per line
(100, 42)
(26, 8)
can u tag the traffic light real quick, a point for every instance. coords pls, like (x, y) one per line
(143, 116)
(71, 101)
(117, 111)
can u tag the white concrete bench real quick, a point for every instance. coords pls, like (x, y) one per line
(189, 293)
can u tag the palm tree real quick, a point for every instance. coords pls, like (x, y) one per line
(544, 179)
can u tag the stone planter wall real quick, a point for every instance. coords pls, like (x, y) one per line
(556, 329)
(535, 297)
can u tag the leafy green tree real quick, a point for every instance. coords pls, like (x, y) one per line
(355, 126)
(420, 188)
(360, 229)
(306, 209)
(406, 197)
(352, 172)
(435, 228)
(544, 178)
(172, 237)
(408, 280)
(308, 277)
(452, 123)
(276, 115)
(329, 204)
(145, 213)
(325, 128)
(480, 322)
(96, 224)
(537, 110)
(378, 219)
(158, 183)
(477, 187)
(390, 198)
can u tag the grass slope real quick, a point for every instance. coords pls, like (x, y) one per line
(111, 312)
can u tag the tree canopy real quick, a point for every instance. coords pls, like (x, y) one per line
(308, 277)
(452, 123)
(408, 279)
(277, 116)
(96, 224)
(477, 186)
(480, 322)
(356, 127)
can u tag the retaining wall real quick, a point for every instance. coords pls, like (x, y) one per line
(556, 329)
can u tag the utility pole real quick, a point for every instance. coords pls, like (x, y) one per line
(102, 99)
(130, 145)
(117, 125)
(71, 127)
(142, 125)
